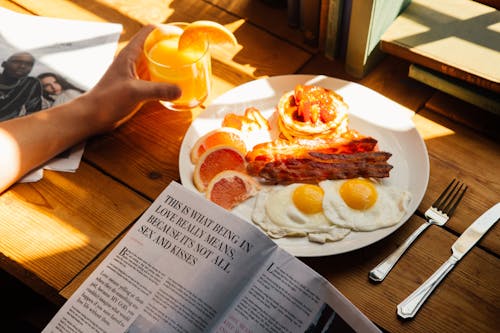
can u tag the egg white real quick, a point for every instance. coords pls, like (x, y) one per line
(276, 214)
(390, 207)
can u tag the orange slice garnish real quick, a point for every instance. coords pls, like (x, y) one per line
(200, 31)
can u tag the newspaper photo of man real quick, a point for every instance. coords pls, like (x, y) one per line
(20, 93)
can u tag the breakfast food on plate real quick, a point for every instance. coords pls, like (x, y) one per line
(224, 136)
(301, 148)
(362, 204)
(251, 121)
(252, 124)
(229, 188)
(315, 142)
(295, 210)
(215, 160)
(223, 149)
(330, 210)
(322, 177)
(311, 112)
(321, 167)
(307, 160)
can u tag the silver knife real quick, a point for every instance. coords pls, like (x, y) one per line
(409, 307)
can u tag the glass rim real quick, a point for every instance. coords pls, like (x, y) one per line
(205, 50)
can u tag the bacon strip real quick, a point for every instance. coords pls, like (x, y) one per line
(301, 148)
(321, 167)
(303, 160)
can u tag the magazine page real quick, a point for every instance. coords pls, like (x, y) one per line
(176, 270)
(188, 265)
(62, 59)
(287, 296)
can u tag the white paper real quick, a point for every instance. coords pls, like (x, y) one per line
(79, 51)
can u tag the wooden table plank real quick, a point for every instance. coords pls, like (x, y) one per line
(469, 149)
(64, 220)
(144, 157)
(77, 10)
(273, 19)
(144, 11)
(14, 7)
(139, 153)
(472, 284)
(262, 53)
(467, 114)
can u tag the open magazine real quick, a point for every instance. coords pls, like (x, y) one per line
(68, 58)
(188, 265)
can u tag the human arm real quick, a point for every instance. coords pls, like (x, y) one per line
(27, 142)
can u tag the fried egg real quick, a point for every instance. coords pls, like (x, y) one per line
(295, 210)
(362, 204)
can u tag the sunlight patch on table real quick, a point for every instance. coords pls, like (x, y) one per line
(33, 235)
(429, 129)
(144, 11)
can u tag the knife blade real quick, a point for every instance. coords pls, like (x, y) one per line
(410, 306)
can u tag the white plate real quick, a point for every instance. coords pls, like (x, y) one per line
(369, 112)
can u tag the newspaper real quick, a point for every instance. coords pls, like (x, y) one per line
(79, 52)
(188, 265)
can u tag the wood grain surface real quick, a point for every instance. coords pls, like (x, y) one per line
(55, 232)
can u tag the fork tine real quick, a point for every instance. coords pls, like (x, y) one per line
(444, 195)
(449, 197)
(450, 208)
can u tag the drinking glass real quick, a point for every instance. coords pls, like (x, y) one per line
(189, 68)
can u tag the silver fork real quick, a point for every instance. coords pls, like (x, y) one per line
(439, 213)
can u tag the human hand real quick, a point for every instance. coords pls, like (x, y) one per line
(29, 141)
(121, 92)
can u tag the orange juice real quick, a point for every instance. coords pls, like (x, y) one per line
(190, 69)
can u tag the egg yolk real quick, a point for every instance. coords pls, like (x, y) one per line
(308, 198)
(359, 194)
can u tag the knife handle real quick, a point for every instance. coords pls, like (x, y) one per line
(409, 307)
(381, 270)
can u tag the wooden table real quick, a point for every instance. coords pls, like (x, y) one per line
(54, 232)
